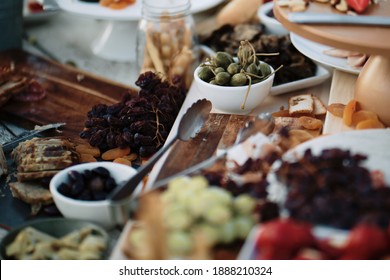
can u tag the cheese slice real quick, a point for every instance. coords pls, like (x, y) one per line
(301, 104)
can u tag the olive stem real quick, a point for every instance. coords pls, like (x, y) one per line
(253, 75)
(253, 51)
(247, 92)
(273, 72)
(248, 75)
(267, 54)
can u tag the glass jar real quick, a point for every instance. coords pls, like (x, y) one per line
(166, 39)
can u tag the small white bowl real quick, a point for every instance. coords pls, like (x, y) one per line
(228, 99)
(100, 212)
(271, 24)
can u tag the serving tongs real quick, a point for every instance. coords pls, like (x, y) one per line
(262, 123)
(9, 146)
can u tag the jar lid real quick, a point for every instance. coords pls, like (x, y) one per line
(172, 8)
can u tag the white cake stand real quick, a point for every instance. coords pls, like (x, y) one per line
(117, 40)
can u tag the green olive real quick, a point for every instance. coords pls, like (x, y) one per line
(265, 69)
(205, 74)
(213, 82)
(252, 69)
(233, 68)
(223, 59)
(219, 70)
(239, 79)
(222, 78)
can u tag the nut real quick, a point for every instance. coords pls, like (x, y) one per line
(342, 6)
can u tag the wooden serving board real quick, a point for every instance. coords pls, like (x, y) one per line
(365, 39)
(70, 92)
(219, 132)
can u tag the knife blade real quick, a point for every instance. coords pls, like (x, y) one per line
(9, 146)
(334, 19)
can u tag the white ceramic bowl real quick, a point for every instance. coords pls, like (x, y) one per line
(228, 99)
(271, 24)
(99, 212)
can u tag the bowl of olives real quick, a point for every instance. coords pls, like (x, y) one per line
(81, 191)
(234, 85)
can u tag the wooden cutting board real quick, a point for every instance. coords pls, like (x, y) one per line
(71, 93)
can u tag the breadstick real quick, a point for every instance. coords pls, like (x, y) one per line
(154, 54)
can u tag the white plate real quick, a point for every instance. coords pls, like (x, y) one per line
(315, 51)
(321, 76)
(370, 142)
(131, 13)
(249, 252)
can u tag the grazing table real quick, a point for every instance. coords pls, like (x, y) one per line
(73, 90)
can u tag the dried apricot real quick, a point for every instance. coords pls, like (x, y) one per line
(348, 111)
(122, 161)
(281, 113)
(370, 123)
(336, 109)
(363, 115)
(300, 135)
(131, 157)
(88, 149)
(310, 123)
(87, 158)
(116, 153)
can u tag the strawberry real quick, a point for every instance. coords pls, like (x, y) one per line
(358, 5)
(35, 7)
(284, 236)
(366, 241)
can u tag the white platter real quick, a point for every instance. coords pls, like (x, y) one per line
(131, 13)
(315, 51)
(321, 76)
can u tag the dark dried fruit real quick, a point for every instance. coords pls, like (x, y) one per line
(137, 121)
(334, 189)
(94, 184)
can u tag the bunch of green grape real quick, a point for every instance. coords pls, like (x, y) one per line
(192, 207)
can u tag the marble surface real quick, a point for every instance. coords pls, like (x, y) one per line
(69, 38)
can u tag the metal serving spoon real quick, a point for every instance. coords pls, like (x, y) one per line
(190, 124)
